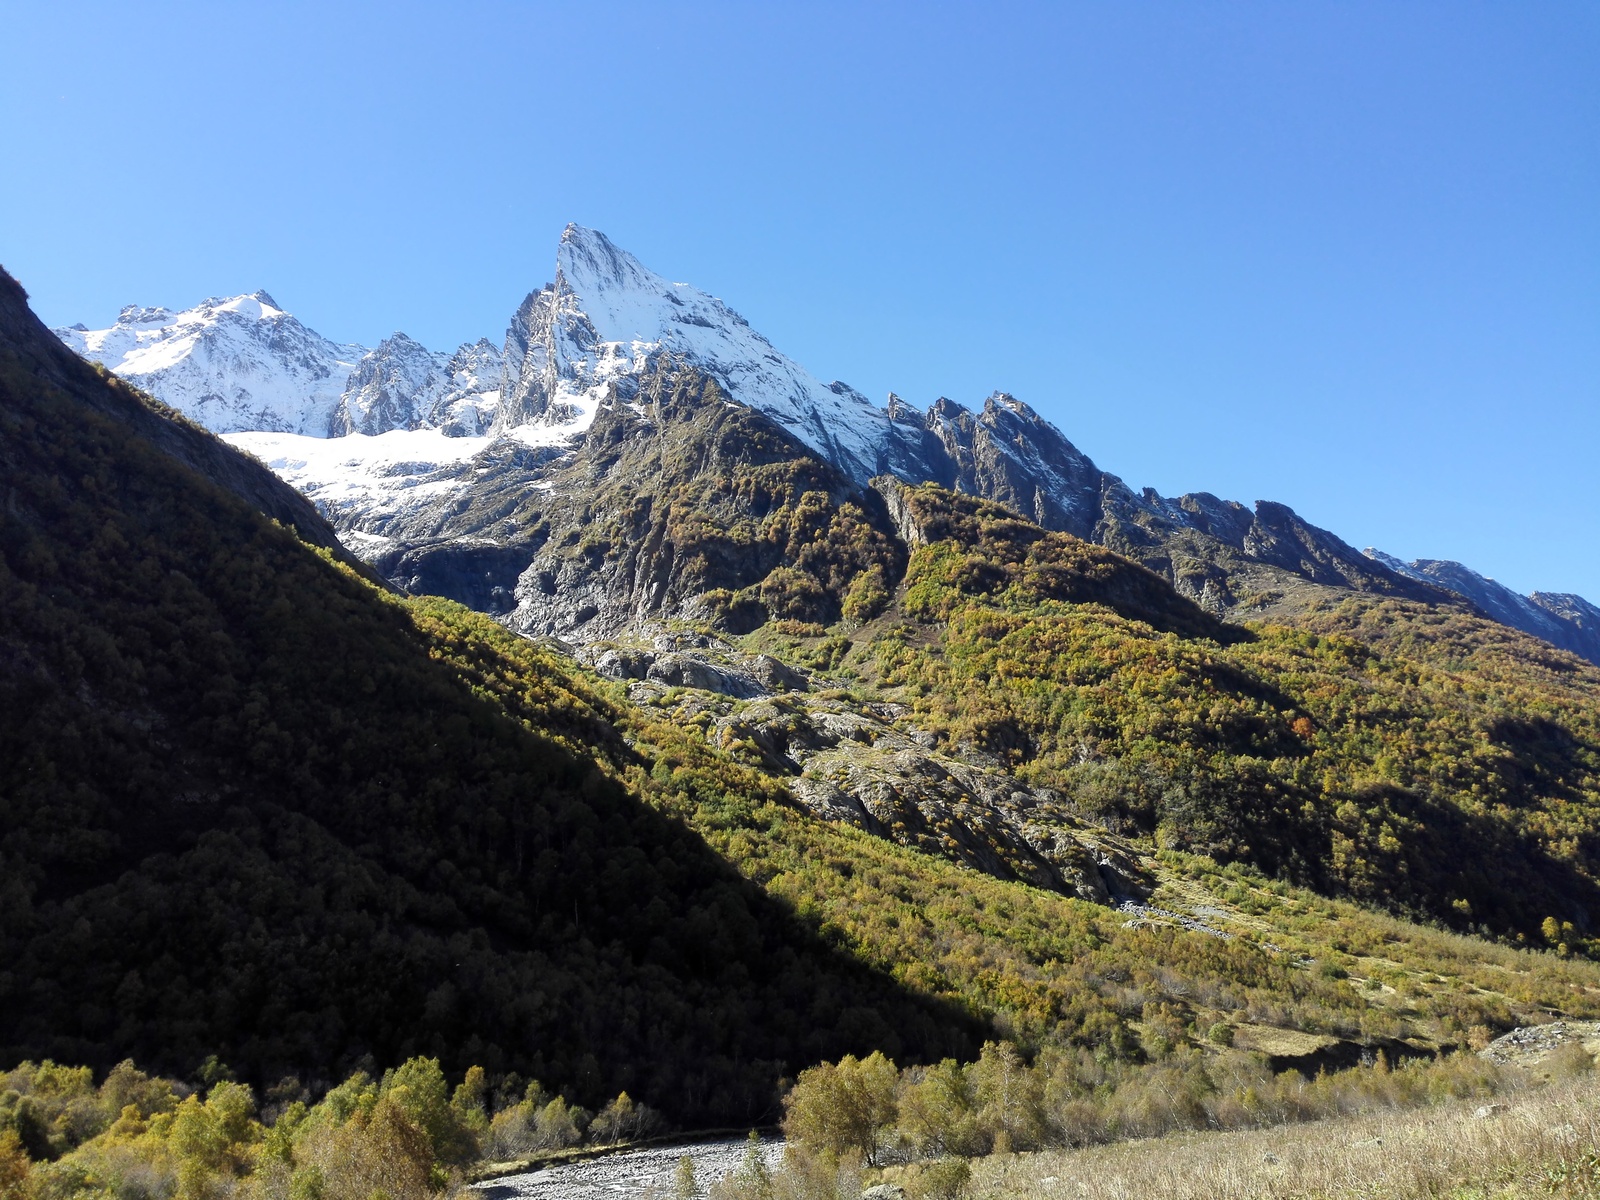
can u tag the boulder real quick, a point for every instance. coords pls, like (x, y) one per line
(685, 670)
(777, 677)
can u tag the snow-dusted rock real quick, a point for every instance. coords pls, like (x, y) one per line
(244, 365)
(404, 385)
(395, 386)
(472, 391)
(431, 452)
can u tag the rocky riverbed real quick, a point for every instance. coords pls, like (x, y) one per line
(647, 1172)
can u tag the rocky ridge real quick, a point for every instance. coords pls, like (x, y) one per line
(1560, 618)
(469, 463)
(404, 385)
(242, 364)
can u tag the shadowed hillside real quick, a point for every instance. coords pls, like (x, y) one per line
(252, 806)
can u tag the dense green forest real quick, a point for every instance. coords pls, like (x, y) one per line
(407, 1134)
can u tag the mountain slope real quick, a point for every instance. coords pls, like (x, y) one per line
(1567, 621)
(415, 434)
(32, 351)
(674, 503)
(1428, 760)
(592, 337)
(251, 806)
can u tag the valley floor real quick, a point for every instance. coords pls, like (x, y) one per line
(1540, 1142)
(649, 1171)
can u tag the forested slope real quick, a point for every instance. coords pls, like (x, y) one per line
(1414, 756)
(252, 806)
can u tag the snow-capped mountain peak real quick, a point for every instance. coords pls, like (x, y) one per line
(392, 387)
(231, 363)
(607, 315)
(400, 443)
(257, 306)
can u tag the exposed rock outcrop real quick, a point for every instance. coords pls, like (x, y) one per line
(1531, 1045)
(862, 763)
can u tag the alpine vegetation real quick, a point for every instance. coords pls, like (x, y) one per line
(425, 764)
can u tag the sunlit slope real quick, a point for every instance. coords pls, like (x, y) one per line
(1432, 762)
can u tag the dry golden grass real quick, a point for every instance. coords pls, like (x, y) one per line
(1539, 1142)
(1268, 1039)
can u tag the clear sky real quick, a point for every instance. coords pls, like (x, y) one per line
(1343, 255)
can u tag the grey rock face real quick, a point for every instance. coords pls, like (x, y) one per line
(621, 665)
(1580, 618)
(1218, 553)
(1009, 454)
(393, 387)
(478, 573)
(529, 363)
(775, 676)
(667, 509)
(404, 385)
(865, 767)
(860, 763)
(1532, 1044)
(695, 661)
(471, 397)
(865, 773)
(1279, 537)
(686, 670)
(1006, 453)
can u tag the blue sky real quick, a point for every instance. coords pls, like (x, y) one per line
(1342, 255)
